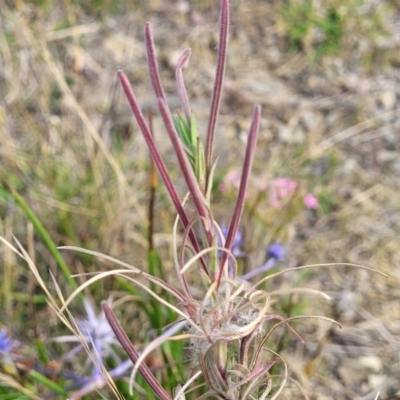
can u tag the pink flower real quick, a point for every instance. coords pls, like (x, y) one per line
(222, 187)
(231, 179)
(234, 178)
(284, 187)
(275, 203)
(311, 201)
(281, 188)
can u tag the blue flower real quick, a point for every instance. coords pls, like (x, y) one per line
(238, 241)
(6, 344)
(96, 382)
(8, 347)
(98, 337)
(276, 251)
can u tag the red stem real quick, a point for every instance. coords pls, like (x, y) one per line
(132, 353)
(219, 78)
(158, 160)
(180, 84)
(238, 210)
(187, 170)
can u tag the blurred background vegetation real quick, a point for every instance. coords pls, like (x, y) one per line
(327, 76)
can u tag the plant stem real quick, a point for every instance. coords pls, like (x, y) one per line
(132, 353)
(219, 78)
(238, 210)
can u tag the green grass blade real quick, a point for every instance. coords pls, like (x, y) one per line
(41, 230)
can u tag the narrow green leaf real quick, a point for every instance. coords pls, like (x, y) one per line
(41, 348)
(41, 230)
(49, 384)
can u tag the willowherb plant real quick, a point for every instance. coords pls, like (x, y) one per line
(228, 327)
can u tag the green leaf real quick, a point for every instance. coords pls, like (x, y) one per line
(49, 384)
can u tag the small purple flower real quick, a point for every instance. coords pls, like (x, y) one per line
(276, 251)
